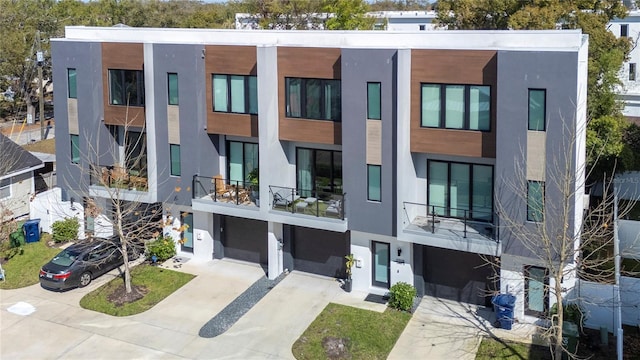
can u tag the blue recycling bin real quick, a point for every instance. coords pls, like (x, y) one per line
(32, 230)
(503, 305)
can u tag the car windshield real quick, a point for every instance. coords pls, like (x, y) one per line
(65, 258)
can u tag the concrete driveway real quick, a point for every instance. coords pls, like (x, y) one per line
(60, 329)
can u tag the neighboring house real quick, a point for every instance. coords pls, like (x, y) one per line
(361, 139)
(17, 184)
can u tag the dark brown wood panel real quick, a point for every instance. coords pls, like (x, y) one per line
(126, 56)
(468, 67)
(231, 60)
(317, 63)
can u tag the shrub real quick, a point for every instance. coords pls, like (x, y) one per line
(65, 230)
(163, 248)
(402, 295)
(571, 312)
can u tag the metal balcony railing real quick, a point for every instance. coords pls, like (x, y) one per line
(465, 222)
(228, 191)
(307, 202)
(115, 176)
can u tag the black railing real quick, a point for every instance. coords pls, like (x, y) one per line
(308, 202)
(115, 176)
(480, 221)
(223, 190)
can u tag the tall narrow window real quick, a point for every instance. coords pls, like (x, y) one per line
(175, 159)
(455, 106)
(479, 108)
(172, 80)
(75, 149)
(535, 201)
(624, 30)
(537, 109)
(536, 290)
(430, 105)
(632, 71)
(72, 84)
(373, 101)
(187, 233)
(373, 183)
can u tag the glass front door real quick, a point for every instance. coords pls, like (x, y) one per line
(536, 297)
(381, 259)
(187, 233)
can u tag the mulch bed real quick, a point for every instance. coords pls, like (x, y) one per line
(120, 297)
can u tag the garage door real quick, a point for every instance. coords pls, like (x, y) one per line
(456, 275)
(319, 251)
(245, 239)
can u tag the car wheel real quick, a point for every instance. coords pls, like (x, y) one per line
(85, 279)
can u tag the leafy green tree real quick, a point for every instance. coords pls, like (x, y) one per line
(284, 14)
(349, 15)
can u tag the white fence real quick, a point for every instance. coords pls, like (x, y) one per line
(49, 208)
(598, 302)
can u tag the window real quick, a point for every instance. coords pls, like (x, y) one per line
(136, 153)
(187, 234)
(175, 159)
(75, 149)
(421, 27)
(624, 30)
(536, 284)
(5, 188)
(381, 255)
(460, 190)
(373, 183)
(243, 159)
(126, 87)
(172, 80)
(464, 107)
(71, 84)
(235, 94)
(632, 71)
(537, 109)
(319, 170)
(535, 201)
(373, 101)
(313, 99)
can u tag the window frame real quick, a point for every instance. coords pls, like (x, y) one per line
(184, 216)
(379, 98)
(170, 98)
(632, 71)
(442, 111)
(333, 170)
(322, 102)
(75, 148)
(245, 175)
(530, 209)
(624, 30)
(5, 186)
(527, 276)
(544, 110)
(176, 164)
(369, 174)
(247, 94)
(72, 89)
(120, 74)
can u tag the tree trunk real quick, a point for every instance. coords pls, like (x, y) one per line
(558, 349)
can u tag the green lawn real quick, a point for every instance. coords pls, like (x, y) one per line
(22, 269)
(159, 283)
(366, 334)
(491, 348)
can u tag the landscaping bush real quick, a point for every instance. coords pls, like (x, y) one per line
(571, 312)
(402, 295)
(65, 230)
(163, 248)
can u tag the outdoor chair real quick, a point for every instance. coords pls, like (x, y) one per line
(284, 197)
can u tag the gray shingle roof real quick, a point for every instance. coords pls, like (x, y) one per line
(13, 158)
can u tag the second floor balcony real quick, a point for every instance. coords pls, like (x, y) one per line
(324, 204)
(226, 191)
(116, 176)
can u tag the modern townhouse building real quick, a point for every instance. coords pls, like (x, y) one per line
(293, 149)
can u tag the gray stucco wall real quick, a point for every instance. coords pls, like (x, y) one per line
(86, 58)
(360, 66)
(198, 151)
(517, 72)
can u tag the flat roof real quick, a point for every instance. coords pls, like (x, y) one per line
(532, 40)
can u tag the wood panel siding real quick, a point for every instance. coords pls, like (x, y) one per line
(311, 63)
(230, 60)
(468, 67)
(125, 56)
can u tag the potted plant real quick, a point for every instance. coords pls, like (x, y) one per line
(348, 265)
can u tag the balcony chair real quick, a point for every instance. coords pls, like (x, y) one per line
(284, 197)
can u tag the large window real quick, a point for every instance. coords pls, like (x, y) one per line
(460, 190)
(175, 159)
(136, 153)
(536, 290)
(535, 201)
(243, 159)
(373, 183)
(172, 80)
(373, 101)
(235, 94)
(319, 170)
(537, 109)
(126, 87)
(72, 84)
(313, 99)
(465, 107)
(5, 188)
(75, 149)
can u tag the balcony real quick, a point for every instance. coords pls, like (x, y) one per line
(226, 191)
(458, 225)
(307, 202)
(116, 176)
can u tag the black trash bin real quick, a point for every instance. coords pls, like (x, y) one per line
(32, 230)
(503, 305)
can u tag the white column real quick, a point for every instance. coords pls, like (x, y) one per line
(150, 116)
(274, 239)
